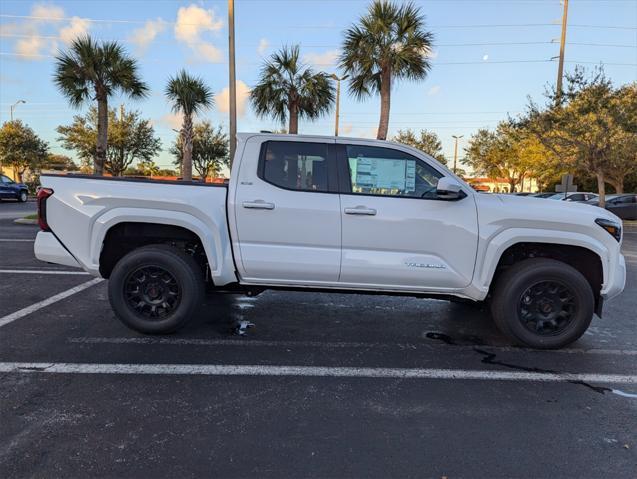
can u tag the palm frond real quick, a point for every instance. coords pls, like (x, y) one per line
(284, 80)
(188, 94)
(389, 37)
(88, 69)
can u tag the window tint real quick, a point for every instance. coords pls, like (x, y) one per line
(296, 165)
(624, 199)
(384, 171)
(7, 180)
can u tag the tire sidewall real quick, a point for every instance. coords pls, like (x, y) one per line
(188, 280)
(518, 284)
(22, 196)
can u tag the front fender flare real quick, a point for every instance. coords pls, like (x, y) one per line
(495, 246)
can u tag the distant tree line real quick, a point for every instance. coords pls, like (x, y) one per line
(589, 129)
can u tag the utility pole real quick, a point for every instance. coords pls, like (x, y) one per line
(14, 105)
(560, 68)
(338, 99)
(233, 82)
(455, 152)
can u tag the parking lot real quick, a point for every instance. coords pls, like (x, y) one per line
(323, 385)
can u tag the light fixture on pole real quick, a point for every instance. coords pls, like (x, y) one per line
(14, 105)
(338, 99)
(455, 152)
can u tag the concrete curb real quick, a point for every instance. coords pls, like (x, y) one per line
(24, 221)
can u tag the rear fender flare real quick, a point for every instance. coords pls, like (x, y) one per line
(210, 233)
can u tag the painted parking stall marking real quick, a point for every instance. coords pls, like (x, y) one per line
(308, 371)
(41, 271)
(46, 302)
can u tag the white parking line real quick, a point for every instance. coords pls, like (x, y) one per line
(11, 240)
(330, 345)
(308, 371)
(41, 271)
(46, 302)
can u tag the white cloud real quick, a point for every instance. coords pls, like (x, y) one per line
(346, 128)
(77, 28)
(207, 52)
(223, 98)
(142, 37)
(264, 44)
(47, 11)
(192, 22)
(322, 60)
(29, 47)
(434, 90)
(172, 120)
(32, 45)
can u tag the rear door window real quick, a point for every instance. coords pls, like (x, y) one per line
(300, 166)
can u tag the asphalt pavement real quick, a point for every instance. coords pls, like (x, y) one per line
(323, 385)
(10, 209)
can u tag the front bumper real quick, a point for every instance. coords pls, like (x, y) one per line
(616, 279)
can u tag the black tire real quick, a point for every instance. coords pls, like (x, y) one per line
(23, 196)
(542, 303)
(167, 283)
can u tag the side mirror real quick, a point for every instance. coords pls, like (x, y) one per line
(449, 189)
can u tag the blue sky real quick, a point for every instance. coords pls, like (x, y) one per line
(489, 56)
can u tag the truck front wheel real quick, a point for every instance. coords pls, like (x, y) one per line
(156, 289)
(542, 303)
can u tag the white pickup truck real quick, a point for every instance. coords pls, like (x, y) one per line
(334, 214)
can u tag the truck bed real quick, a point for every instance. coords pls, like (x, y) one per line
(83, 208)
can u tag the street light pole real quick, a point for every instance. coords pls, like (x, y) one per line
(338, 99)
(560, 67)
(455, 152)
(14, 105)
(233, 82)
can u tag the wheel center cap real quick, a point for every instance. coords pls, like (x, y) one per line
(153, 291)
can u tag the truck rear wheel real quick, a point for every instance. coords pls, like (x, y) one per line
(156, 289)
(542, 303)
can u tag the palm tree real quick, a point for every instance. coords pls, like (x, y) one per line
(94, 71)
(288, 89)
(389, 43)
(189, 96)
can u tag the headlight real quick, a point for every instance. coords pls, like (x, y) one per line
(614, 229)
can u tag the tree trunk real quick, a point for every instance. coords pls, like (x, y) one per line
(618, 184)
(102, 136)
(601, 189)
(293, 127)
(385, 103)
(186, 154)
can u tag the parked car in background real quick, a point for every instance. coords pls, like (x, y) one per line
(543, 195)
(9, 189)
(623, 205)
(575, 196)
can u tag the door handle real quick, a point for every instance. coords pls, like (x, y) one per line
(360, 210)
(258, 205)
